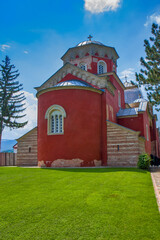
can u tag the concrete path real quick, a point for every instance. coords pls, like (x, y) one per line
(155, 175)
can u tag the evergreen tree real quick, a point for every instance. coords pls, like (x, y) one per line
(11, 97)
(149, 76)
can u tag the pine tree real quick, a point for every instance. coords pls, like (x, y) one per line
(149, 76)
(11, 97)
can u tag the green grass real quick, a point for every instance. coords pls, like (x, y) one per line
(75, 204)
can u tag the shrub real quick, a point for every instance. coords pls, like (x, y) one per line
(144, 161)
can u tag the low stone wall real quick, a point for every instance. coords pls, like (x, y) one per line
(123, 145)
(8, 159)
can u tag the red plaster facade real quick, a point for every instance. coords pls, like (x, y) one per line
(75, 104)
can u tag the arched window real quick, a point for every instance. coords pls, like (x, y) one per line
(102, 67)
(55, 115)
(83, 66)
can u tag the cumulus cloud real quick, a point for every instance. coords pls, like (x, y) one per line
(31, 117)
(99, 6)
(26, 52)
(128, 73)
(31, 110)
(154, 18)
(4, 47)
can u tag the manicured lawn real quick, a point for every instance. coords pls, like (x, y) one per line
(73, 204)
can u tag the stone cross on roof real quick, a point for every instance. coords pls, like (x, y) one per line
(89, 37)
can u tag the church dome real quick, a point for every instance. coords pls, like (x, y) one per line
(73, 83)
(131, 95)
(89, 42)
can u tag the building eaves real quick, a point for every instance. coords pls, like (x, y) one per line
(26, 134)
(91, 44)
(132, 111)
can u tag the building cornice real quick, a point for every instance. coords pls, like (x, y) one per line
(89, 48)
(115, 76)
(67, 88)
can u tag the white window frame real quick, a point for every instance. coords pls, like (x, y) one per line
(119, 99)
(147, 132)
(101, 63)
(55, 115)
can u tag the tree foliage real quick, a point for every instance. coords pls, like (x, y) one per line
(11, 97)
(149, 75)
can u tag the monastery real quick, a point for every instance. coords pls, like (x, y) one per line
(87, 117)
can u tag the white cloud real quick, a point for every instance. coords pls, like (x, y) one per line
(99, 6)
(154, 18)
(4, 47)
(31, 117)
(129, 73)
(26, 52)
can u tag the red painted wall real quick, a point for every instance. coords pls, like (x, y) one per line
(82, 126)
(134, 123)
(94, 64)
(112, 100)
(138, 123)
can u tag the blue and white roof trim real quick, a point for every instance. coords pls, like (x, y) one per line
(133, 111)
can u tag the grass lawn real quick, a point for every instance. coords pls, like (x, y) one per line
(73, 204)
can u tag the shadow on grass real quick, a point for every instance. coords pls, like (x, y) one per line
(97, 170)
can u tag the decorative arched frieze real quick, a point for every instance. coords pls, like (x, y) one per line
(68, 70)
(94, 82)
(74, 72)
(78, 75)
(83, 77)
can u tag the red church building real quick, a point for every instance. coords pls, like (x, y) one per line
(88, 117)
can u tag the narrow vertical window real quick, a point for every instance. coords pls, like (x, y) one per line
(102, 67)
(83, 66)
(52, 124)
(61, 126)
(147, 133)
(57, 124)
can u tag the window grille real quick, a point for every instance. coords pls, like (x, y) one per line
(102, 67)
(83, 67)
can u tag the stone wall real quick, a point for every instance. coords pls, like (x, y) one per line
(123, 145)
(27, 149)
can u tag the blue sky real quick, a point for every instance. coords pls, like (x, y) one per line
(35, 34)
